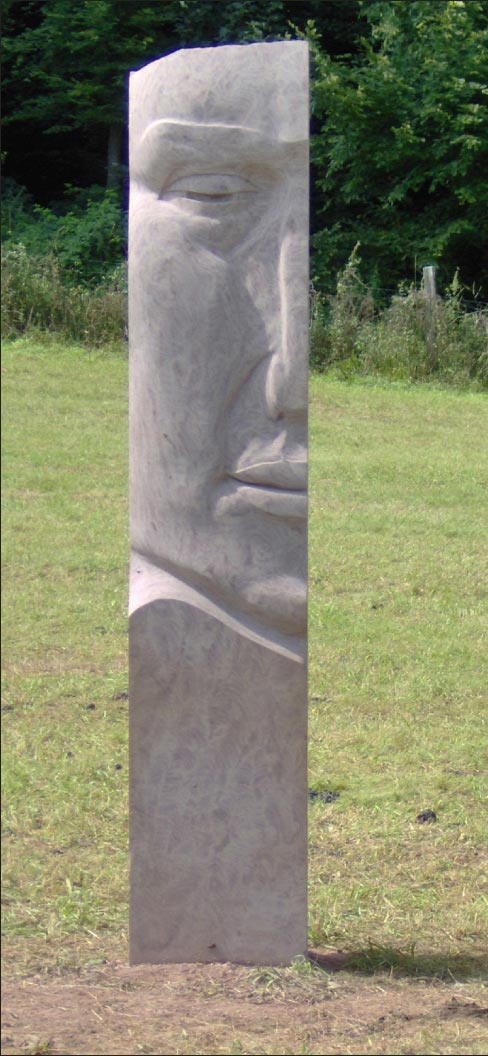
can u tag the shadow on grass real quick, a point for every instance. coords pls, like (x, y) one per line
(401, 963)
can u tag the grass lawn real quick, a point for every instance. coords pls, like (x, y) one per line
(398, 670)
(65, 665)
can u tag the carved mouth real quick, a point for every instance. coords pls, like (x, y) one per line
(290, 474)
(276, 487)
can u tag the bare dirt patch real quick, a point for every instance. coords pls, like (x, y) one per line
(228, 1009)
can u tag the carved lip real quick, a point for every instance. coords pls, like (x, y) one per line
(289, 474)
(274, 486)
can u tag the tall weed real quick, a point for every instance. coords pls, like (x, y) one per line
(335, 327)
(451, 346)
(34, 297)
(412, 338)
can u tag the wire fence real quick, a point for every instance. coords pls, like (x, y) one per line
(385, 294)
(473, 304)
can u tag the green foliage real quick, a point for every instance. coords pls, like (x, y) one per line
(414, 340)
(335, 323)
(402, 150)
(411, 339)
(77, 56)
(229, 22)
(62, 268)
(34, 297)
(65, 68)
(85, 233)
(400, 116)
(84, 83)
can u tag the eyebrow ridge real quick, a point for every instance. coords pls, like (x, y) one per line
(200, 126)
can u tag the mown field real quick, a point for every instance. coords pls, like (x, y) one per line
(398, 692)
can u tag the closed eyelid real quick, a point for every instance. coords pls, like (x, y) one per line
(209, 186)
(169, 150)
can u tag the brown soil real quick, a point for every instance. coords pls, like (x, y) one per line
(206, 1009)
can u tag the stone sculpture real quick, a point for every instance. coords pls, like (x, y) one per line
(218, 316)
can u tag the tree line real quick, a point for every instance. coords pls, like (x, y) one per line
(399, 125)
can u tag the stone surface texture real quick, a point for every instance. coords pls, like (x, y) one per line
(218, 319)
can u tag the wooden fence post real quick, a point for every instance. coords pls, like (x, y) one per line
(430, 295)
(428, 274)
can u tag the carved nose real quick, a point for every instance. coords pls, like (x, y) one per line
(286, 381)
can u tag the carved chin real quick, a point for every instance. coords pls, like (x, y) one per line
(280, 602)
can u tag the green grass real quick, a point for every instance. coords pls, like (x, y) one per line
(398, 666)
(66, 559)
(398, 673)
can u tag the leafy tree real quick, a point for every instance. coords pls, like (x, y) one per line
(65, 66)
(399, 114)
(66, 73)
(402, 152)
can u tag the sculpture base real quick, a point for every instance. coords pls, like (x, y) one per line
(218, 792)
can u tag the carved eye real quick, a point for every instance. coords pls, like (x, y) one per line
(209, 187)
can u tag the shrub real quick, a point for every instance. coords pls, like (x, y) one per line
(29, 288)
(35, 297)
(85, 232)
(411, 339)
(417, 340)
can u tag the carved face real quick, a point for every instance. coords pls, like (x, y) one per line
(218, 334)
